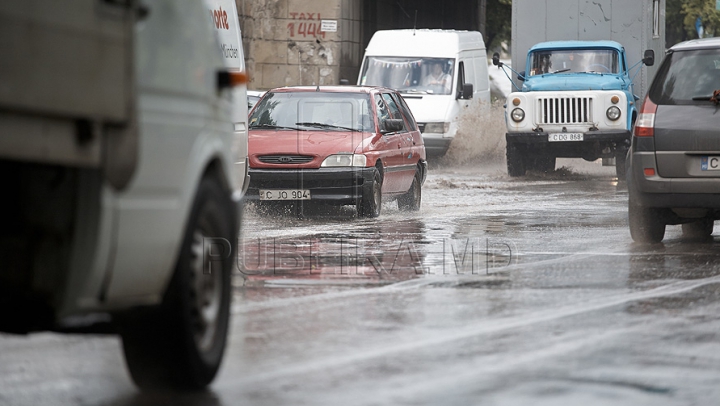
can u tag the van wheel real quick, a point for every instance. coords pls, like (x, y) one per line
(646, 224)
(180, 343)
(699, 229)
(515, 164)
(411, 200)
(371, 203)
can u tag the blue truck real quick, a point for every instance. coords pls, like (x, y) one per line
(582, 75)
(576, 101)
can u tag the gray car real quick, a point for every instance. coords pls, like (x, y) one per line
(673, 167)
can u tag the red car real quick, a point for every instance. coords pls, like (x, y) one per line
(343, 145)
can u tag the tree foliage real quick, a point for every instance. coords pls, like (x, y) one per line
(680, 17)
(498, 22)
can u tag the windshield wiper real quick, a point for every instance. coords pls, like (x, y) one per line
(275, 127)
(714, 97)
(323, 125)
(560, 71)
(413, 91)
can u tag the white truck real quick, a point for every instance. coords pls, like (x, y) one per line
(437, 72)
(121, 176)
(580, 78)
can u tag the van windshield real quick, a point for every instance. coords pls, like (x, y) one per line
(409, 75)
(573, 61)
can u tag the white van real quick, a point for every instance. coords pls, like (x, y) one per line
(224, 18)
(121, 177)
(436, 71)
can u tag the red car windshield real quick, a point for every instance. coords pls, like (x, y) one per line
(313, 110)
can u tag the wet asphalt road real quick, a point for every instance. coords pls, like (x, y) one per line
(499, 291)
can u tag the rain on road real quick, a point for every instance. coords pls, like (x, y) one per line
(499, 291)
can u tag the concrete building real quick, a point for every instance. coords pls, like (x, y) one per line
(319, 42)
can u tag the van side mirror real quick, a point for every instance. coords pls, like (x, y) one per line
(392, 125)
(227, 79)
(649, 57)
(467, 92)
(521, 76)
(496, 59)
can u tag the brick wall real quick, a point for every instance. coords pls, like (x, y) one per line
(285, 46)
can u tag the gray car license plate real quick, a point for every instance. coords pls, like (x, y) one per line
(710, 163)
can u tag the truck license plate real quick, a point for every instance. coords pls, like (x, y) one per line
(285, 194)
(710, 163)
(555, 137)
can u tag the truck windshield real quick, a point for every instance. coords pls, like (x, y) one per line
(573, 61)
(313, 110)
(409, 75)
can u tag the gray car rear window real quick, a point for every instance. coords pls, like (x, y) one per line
(687, 75)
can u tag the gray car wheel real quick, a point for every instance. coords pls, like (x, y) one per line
(698, 229)
(646, 224)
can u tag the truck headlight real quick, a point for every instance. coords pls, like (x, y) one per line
(344, 160)
(518, 115)
(613, 113)
(439, 128)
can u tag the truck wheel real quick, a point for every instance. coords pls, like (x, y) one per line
(699, 229)
(646, 224)
(544, 163)
(620, 160)
(371, 203)
(411, 200)
(180, 343)
(515, 164)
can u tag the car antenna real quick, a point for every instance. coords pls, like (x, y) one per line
(408, 15)
(415, 23)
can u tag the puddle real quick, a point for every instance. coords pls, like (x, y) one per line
(386, 251)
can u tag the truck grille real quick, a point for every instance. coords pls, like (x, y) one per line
(565, 110)
(285, 159)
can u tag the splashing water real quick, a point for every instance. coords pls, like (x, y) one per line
(480, 138)
(480, 143)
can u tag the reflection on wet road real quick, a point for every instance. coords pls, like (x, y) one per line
(499, 291)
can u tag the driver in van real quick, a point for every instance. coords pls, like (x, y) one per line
(437, 77)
